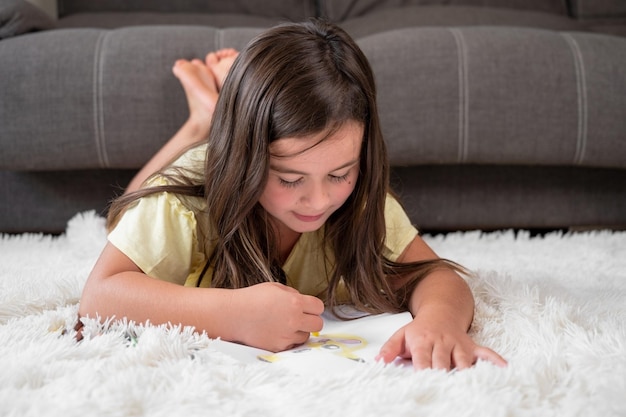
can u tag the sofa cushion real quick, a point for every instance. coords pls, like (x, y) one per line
(293, 10)
(341, 10)
(112, 20)
(490, 95)
(86, 100)
(18, 17)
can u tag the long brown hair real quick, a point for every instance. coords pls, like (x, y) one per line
(297, 80)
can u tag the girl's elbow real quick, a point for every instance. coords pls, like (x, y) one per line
(92, 296)
(86, 307)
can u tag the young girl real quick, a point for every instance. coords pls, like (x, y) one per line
(284, 208)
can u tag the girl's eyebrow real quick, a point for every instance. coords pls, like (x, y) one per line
(284, 170)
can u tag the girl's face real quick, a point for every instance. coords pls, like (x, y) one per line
(308, 181)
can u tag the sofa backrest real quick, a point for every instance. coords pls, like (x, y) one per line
(341, 10)
(338, 10)
(294, 10)
(298, 10)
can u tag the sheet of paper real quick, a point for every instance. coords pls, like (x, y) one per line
(339, 346)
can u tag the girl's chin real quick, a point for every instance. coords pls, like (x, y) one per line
(301, 224)
(306, 226)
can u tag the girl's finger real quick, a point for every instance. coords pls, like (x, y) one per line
(441, 356)
(461, 359)
(312, 305)
(422, 355)
(392, 348)
(491, 356)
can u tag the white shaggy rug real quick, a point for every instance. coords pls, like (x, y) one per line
(553, 306)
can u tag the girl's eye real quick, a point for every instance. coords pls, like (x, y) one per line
(341, 178)
(333, 178)
(289, 184)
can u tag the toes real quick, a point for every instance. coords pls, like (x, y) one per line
(226, 53)
(194, 74)
(179, 66)
(212, 58)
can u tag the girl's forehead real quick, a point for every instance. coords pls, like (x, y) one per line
(346, 139)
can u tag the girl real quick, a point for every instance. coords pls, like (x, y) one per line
(286, 204)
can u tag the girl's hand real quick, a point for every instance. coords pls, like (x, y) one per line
(435, 344)
(275, 317)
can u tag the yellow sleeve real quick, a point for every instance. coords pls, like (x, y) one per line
(159, 235)
(400, 230)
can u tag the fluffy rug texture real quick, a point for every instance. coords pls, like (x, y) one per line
(554, 306)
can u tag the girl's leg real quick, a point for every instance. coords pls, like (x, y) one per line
(201, 82)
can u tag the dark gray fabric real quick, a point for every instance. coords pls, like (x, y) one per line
(471, 197)
(111, 20)
(585, 9)
(453, 16)
(618, 29)
(342, 10)
(18, 17)
(45, 201)
(294, 10)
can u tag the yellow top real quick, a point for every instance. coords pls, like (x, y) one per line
(168, 237)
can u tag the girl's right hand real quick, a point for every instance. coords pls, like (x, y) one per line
(274, 317)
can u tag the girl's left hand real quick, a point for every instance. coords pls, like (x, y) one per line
(432, 344)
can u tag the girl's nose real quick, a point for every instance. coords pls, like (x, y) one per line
(316, 198)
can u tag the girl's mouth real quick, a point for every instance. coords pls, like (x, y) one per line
(308, 219)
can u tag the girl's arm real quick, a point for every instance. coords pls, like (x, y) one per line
(443, 307)
(269, 316)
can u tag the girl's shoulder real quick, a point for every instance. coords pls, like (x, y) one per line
(391, 200)
(188, 169)
(400, 231)
(191, 162)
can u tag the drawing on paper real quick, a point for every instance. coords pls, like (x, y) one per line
(343, 345)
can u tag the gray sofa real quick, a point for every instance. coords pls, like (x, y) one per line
(497, 113)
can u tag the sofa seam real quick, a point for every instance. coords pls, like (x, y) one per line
(581, 94)
(98, 102)
(463, 141)
(219, 39)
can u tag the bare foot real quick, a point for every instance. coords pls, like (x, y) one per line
(200, 88)
(220, 63)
